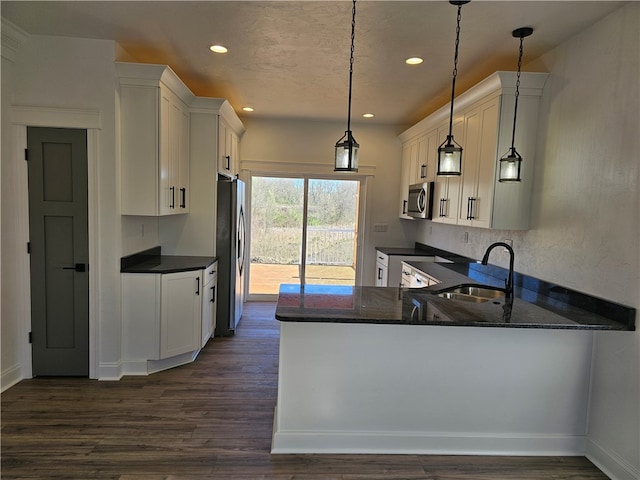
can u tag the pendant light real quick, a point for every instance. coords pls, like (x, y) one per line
(450, 152)
(510, 162)
(347, 147)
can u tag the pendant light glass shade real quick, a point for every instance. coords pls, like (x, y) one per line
(450, 152)
(510, 162)
(449, 157)
(510, 166)
(346, 154)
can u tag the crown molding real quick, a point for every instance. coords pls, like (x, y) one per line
(12, 37)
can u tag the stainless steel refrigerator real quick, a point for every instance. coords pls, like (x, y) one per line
(231, 251)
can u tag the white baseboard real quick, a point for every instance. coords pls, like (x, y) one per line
(610, 463)
(10, 377)
(154, 366)
(110, 371)
(426, 443)
(147, 367)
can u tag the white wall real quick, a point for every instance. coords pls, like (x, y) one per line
(308, 142)
(9, 263)
(585, 223)
(61, 73)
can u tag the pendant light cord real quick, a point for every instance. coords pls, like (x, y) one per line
(515, 109)
(455, 67)
(353, 37)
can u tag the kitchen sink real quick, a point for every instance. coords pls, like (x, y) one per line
(471, 293)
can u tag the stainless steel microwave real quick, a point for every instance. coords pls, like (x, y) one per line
(420, 203)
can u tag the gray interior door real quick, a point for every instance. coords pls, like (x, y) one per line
(58, 234)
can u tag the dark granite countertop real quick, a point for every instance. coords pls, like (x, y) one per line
(152, 261)
(537, 304)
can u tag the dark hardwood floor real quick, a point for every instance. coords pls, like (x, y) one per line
(211, 419)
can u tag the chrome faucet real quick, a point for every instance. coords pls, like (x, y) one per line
(508, 290)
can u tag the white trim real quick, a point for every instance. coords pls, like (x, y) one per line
(610, 463)
(425, 443)
(499, 83)
(274, 169)
(10, 377)
(89, 119)
(282, 172)
(12, 38)
(56, 117)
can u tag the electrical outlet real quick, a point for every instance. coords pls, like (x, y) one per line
(466, 237)
(509, 242)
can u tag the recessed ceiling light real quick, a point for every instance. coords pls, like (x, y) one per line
(413, 61)
(368, 115)
(218, 49)
(247, 109)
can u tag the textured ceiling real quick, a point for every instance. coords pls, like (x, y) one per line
(291, 59)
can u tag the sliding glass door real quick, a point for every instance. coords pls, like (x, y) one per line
(303, 231)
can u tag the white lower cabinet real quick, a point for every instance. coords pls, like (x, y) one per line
(389, 268)
(180, 313)
(162, 319)
(382, 269)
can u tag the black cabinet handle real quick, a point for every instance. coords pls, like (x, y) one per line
(183, 197)
(443, 207)
(423, 171)
(228, 157)
(173, 197)
(470, 205)
(404, 207)
(379, 274)
(213, 294)
(197, 285)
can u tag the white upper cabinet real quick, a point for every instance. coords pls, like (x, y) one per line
(418, 166)
(154, 130)
(228, 149)
(483, 125)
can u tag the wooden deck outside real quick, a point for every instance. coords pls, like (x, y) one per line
(266, 278)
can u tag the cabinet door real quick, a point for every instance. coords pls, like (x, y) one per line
(420, 170)
(209, 298)
(183, 159)
(470, 165)
(180, 313)
(476, 203)
(381, 274)
(407, 176)
(487, 164)
(167, 173)
(447, 189)
(225, 166)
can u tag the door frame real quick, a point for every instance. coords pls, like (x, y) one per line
(85, 119)
(306, 171)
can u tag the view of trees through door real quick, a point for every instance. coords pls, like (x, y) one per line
(303, 231)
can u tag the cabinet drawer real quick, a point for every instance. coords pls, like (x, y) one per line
(382, 258)
(211, 273)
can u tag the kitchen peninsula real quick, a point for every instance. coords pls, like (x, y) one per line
(391, 370)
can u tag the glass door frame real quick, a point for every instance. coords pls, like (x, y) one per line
(360, 224)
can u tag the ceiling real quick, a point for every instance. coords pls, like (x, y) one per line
(291, 58)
